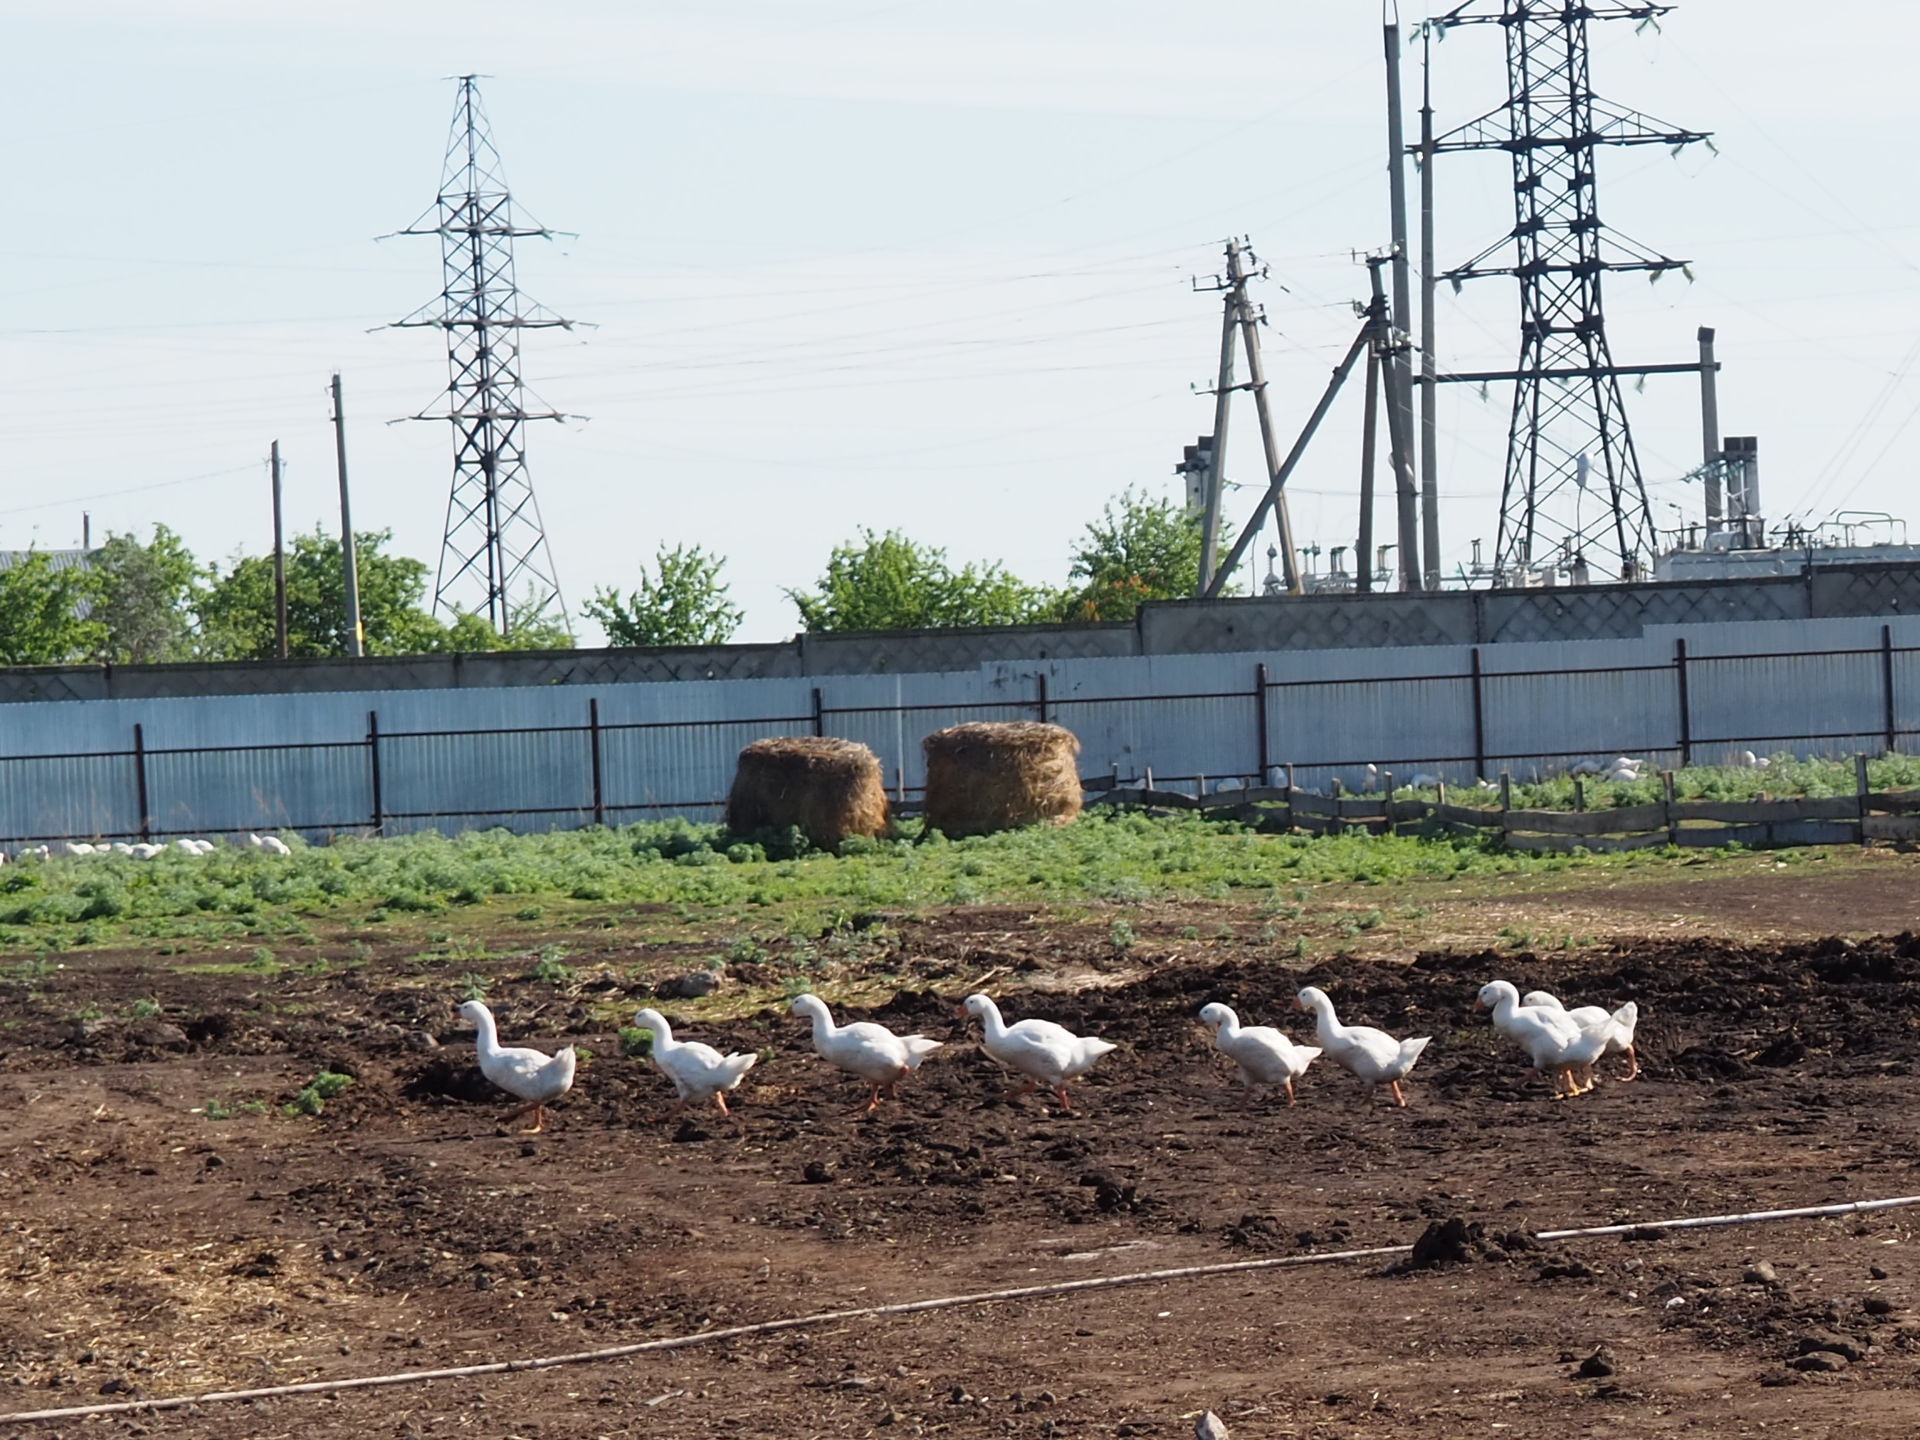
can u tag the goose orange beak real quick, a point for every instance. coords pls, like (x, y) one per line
(1479, 1004)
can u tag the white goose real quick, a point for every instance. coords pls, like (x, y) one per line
(1617, 1026)
(1559, 1049)
(1372, 1055)
(698, 1072)
(1264, 1055)
(1046, 1053)
(865, 1048)
(532, 1076)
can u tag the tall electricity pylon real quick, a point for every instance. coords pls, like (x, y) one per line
(495, 560)
(1573, 489)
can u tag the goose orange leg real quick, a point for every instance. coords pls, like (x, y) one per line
(1398, 1093)
(1633, 1064)
(537, 1109)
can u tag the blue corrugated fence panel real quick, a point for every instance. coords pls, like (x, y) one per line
(512, 773)
(69, 797)
(306, 788)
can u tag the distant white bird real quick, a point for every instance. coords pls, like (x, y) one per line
(1264, 1055)
(271, 844)
(865, 1048)
(1046, 1053)
(1755, 762)
(698, 1072)
(1372, 781)
(531, 1075)
(34, 852)
(121, 847)
(188, 846)
(145, 851)
(1424, 780)
(1587, 767)
(75, 847)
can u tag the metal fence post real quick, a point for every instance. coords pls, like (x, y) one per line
(140, 781)
(1260, 720)
(1041, 681)
(1886, 687)
(1686, 710)
(819, 713)
(373, 771)
(1479, 722)
(593, 746)
(1506, 777)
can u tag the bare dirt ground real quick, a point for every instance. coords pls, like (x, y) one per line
(149, 1250)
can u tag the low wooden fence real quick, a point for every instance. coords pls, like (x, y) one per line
(1860, 818)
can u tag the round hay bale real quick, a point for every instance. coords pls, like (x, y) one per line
(985, 777)
(828, 788)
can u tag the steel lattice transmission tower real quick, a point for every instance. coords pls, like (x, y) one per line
(1573, 489)
(495, 560)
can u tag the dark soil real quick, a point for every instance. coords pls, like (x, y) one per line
(150, 1250)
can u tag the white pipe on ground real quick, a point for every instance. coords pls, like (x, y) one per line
(911, 1307)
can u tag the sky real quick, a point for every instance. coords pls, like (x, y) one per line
(893, 264)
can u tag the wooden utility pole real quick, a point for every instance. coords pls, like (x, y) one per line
(349, 564)
(279, 563)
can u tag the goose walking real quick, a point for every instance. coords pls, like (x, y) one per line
(529, 1075)
(1617, 1026)
(1559, 1049)
(1372, 1055)
(1046, 1053)
(865, 1048)
(698, 1072)
(1264, 1055)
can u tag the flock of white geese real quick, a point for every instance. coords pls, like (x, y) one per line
(1564, 1045)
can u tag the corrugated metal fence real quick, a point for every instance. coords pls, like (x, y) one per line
(564, 755)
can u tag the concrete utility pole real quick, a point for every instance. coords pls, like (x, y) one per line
(1222, 396)
(349, 562)
(1392, 349)
(1710, 430)
(1400, 395)
(279, 563)
(1257, 382)
(1429, 389)
(1369, 429)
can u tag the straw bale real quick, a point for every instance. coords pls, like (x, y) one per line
(984, 777)
(829, 788)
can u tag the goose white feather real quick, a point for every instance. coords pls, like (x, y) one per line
(529, 1075)
(698, 1072)
(864, 1048)
(1616, 1026)
(1558, 1047)
(1372, 1055)
(1264, 1055)
(1046, 1053)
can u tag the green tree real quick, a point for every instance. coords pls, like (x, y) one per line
(146, 597)
(1139, 549)
(46, 612)
(472, 634)
(237, 613)
(888, 582)
(684, 603)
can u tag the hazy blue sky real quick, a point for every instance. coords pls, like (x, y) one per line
(892, 263)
